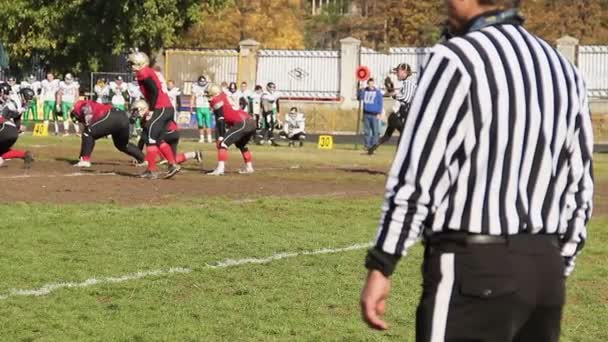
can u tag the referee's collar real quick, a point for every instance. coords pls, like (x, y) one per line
(490, 18)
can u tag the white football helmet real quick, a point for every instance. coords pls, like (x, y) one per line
(141, 106)
(213, 90)
(138, 60)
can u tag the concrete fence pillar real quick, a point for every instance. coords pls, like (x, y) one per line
(568, 46)
(248, 62)
(350, 58)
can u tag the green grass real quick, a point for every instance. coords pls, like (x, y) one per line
(306, 298)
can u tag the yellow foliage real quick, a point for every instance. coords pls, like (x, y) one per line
(274, 24)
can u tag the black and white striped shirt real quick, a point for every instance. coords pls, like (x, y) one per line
(407, 91)
(498, 141)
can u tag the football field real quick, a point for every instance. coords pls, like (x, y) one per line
(100, 255)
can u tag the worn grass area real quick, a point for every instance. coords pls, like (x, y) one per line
(301, 298)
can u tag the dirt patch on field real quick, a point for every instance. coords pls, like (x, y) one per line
(116, 181)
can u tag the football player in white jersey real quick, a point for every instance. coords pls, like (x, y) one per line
(69, 91)
(173, 93)
(270, 108)
(49, 88)
(199, 106)
(102, 91)
(119, 93)
(32, 109)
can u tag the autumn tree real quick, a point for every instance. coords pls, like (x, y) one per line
(79, 35)
(274, 23)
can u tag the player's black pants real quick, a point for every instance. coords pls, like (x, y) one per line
(240, 134)
(395, 122)
(8, 137)
(115, 123)
(511, 291)
(156, 126)
(269, 123)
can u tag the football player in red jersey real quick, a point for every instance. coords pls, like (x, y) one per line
(100, 120)
(233, 126)
(171, 136)
(163, 112)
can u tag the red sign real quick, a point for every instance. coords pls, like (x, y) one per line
(363, 73)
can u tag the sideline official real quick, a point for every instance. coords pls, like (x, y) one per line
(494, 173)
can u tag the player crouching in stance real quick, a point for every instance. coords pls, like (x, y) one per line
(100, 120)
(162, 113)
(10, 122)
(293, 127)
(140, 109)
(233, 126)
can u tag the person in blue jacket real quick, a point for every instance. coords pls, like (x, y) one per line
(372, 109)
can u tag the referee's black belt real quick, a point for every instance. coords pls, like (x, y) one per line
(464, 239)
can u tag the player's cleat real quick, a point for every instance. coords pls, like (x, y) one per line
(173, 170)
(28, 160)
(216, 172)
(202, 140)
(290, 144)
(149, 175)
(301, 143)
(142, 164)
(198, 156)
(274, 143)
(83, 163)
(246, 170)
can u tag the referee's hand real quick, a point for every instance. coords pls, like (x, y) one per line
(373, 299)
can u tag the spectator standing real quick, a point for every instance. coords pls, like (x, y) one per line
(372, 109)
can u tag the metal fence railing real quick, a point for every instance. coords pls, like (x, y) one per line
(593, 64)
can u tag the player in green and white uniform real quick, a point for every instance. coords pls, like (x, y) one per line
(199, 105)
(254, 101)
(134, 96)
(119, 93)
(66, 97)
(50, 87)
(31, 83)
(270, 108)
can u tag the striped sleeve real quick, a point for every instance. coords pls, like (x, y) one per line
(439, 104)
(580, 184)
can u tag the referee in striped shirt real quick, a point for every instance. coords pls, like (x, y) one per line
(403, 100)
(494, 174)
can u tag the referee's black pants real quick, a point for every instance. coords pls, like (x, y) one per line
(512, 291)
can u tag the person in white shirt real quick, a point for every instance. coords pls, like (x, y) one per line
(102, 91)
(243, 95)
(173, 93)
(233, 95)
(49, 89)
(32, 109)
(119, 93)
(270, 108)
(294, 127)
(66, 97)
(199, 106)
(134, 96)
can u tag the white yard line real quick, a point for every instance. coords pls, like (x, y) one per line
(73, 174)
(48, 288)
